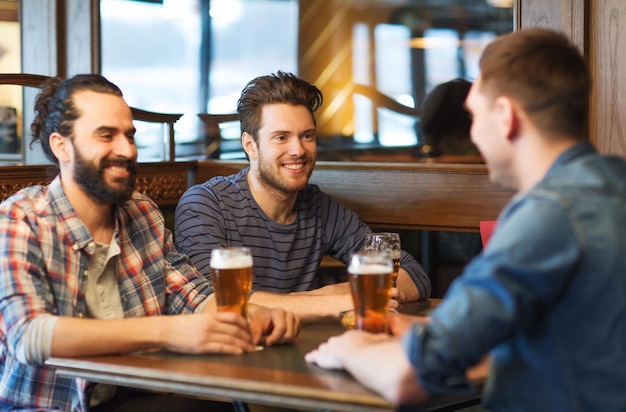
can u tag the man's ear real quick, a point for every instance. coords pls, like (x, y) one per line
(509, 116)
(249, 145)
(60, 147)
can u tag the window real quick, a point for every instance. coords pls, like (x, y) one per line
(157, 54)
(10, 96)
(195, 56)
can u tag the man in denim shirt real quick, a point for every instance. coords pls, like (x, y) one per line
(547, 299)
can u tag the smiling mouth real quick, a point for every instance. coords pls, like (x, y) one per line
(292, 166)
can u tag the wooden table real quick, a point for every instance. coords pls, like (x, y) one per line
(274, 376)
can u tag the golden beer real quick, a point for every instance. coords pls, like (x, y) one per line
(231, 275)
(396, 269)
(388, 242)
(369, 275)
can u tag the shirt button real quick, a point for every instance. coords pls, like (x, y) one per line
(81, 315)
(86, 273)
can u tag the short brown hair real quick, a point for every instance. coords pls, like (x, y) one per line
(281, 87)
(544, 72)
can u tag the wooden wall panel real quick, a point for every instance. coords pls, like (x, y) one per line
(403, 196)
(567, 16)
(607, 58)
(162, 182)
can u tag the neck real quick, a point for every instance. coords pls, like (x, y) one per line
(277, 205)
(536, 157)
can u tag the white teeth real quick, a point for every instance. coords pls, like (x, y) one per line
(118, 168)
(294, 166)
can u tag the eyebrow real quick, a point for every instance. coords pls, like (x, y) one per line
(277, 132)
(111, 129)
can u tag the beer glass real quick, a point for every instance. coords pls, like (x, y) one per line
(231, 275)
(369, 274)
(389, 243)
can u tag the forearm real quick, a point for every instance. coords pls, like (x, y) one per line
(416, 275)
(308, 306)
(406, 287)
(391, 374)
(87, 337)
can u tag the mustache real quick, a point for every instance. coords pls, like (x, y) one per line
(120, 162)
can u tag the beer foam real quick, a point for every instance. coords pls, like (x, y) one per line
(231, 262)
(370, 269)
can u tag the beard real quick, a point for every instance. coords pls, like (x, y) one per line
(90, 178)
(275, 181)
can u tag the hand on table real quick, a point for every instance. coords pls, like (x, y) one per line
(377, 361)
(221, 332)
(332, 353)
(273, 326)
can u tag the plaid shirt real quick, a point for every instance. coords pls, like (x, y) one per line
(45, 251)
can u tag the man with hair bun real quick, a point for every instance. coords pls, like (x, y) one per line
(88, 267)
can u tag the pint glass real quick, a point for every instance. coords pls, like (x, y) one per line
(231, 275)
(369, 274)
(389, 243)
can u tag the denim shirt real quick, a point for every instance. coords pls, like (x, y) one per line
(546, 299)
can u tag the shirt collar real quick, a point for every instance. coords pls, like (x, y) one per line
(574, 152)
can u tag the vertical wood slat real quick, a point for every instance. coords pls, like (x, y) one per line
(567, 16)
(607, 58)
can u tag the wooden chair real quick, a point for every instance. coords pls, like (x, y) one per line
(213, 132)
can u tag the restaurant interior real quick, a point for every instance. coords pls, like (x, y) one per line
(182, 63)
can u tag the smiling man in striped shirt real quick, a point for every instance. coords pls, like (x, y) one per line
(289, 224)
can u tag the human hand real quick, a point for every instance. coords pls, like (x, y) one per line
(221, 332)
(397, 297)
(332, 353)
(399, 323)
(273, 326)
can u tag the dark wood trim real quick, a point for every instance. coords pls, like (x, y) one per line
(162, 182)
(14, 178)
(9, 11)
(96, 42)
(447, 197)
(22, 79)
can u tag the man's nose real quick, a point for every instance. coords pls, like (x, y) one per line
(125, 147)
(296, 148)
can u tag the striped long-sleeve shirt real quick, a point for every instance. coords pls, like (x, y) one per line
(222, 212)
(45, 250)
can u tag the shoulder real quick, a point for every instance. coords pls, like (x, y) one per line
(31, 199)
(538, 220)
(217, 187)
(140, 207)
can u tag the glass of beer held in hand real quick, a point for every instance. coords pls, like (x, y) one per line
(388, 242)
(369, 274)
(231, 275)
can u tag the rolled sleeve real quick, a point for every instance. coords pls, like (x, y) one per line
(433, 369)
(417, 274)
